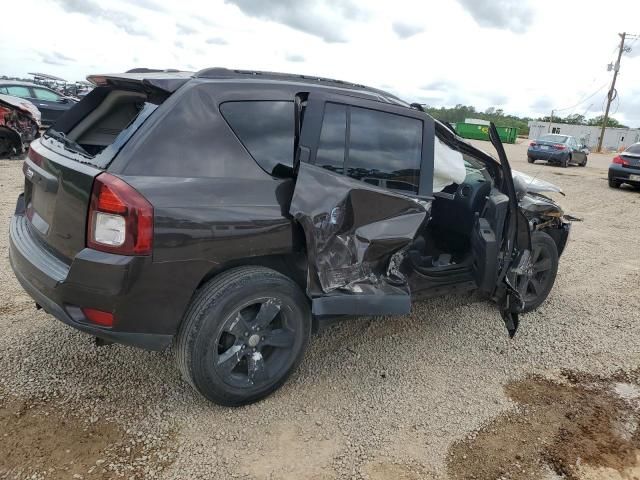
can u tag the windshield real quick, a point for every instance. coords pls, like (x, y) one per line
(553, 138)
(635, 148)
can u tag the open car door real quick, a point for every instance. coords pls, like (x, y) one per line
(514, 257)
(356, 232)
(500, 238)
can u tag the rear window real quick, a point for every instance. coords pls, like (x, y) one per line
(265, 128)
(553, 138)
(385, 146)
(634, 149)
(101, 122)
(331, 149)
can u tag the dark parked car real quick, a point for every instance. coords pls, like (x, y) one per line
(625, 168)
(563, 150)
(51, 104)
(232, 213)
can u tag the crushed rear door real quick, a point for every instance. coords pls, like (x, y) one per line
(356, 233)
(355, 238)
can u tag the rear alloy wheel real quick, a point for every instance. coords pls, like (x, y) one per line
(244, 333)
(530, 160)
(544, 257)
(564, 163)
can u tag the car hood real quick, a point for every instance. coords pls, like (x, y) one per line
(536, 185)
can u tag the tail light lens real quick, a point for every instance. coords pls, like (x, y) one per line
(120, 218)
(559, 146)
(98, 317)
(532, 144)
(619, 160)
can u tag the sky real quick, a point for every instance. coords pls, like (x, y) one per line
(526, 57)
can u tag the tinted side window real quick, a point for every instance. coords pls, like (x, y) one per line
(19, 91)
(385, 146)
(331, 148)
(265, 128)
(43, 94)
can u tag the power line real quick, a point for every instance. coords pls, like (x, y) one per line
(581, 101)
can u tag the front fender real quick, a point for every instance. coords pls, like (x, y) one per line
(537, 206)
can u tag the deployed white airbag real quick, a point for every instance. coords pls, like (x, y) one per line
(448, 166)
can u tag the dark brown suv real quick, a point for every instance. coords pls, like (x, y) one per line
(232, 213)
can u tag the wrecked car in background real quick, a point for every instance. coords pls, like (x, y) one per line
(19, 125)
(234, 212)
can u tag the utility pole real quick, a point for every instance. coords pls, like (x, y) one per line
(550, 121)
(616, 68)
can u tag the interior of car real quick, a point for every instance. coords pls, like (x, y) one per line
(463, 227)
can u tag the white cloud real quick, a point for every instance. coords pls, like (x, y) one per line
(487, 54)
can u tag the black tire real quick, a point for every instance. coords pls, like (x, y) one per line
(613, 183)
(544, 255)
(564, 163)
(243, 334)
(530, 160)
(583, 164)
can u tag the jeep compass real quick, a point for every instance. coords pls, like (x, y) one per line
(232, 213)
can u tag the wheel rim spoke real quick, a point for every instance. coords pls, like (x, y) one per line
(266, 314)
(279, 338)
(237, 326)
(257, 368)
(536, 255)
(534, 283)
(542, 265)
(228, 360)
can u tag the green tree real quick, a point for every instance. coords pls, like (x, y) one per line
(461, 112)
(611, 122)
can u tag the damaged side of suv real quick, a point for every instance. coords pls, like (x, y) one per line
(233, 212)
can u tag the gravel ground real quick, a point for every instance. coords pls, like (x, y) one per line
(374, 398)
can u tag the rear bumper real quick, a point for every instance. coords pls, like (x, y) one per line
(94, 279)
(549, 155)
(621, 173)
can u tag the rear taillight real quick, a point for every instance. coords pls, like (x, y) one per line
(619, 160)
(98, 317)
(559, 146)
(120, 219)
(35, 157)
(532, 144)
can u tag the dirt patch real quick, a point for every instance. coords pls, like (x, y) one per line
(387, 470)
(38, 441)
(287, 446)
(577, 425)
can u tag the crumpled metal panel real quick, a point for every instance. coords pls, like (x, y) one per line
(535, 185)
(355, 233)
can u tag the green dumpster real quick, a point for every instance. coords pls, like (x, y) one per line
(472, 130)
(481, 132)
(508, 134)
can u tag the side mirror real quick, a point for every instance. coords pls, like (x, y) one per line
(63, 100)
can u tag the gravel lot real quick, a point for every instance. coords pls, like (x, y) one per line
(379, 398)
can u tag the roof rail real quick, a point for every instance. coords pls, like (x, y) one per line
(151, 70)
(219, 72)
